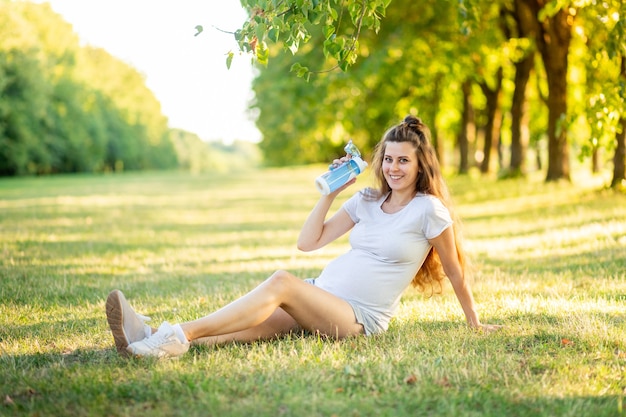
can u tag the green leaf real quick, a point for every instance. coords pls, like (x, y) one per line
(301, 71)
(328, 30)
(315, 17)
(229, 59)
(293, 45)
(273, 34)
(295, 67)
(262, 53)
(199, 30)
(260, 31)
(331, 48)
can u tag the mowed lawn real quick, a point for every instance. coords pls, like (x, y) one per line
(549, 263)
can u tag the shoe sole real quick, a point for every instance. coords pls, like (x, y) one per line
(115, 317)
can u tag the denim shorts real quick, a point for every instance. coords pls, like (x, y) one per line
(363, 316)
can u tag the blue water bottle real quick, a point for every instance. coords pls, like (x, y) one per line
(341, 174)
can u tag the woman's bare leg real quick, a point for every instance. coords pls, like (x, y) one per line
(278, 324)
(311, 307)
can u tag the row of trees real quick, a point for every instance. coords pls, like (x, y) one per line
(69, 108)
(487, 76)
(513, 73)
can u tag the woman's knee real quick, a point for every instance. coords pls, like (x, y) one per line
(281, 281)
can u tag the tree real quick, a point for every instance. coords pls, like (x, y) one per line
(64, 108)
(467, 130)
(442, 57)
(309, 122)
(523, 58)
(550, 24)
(289, 23)
(604, 33)
(22, 112)
(619, 158)
(494, 118)
(416, 54)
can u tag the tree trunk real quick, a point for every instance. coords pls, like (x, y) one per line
(520, 133)
(595, 160)
(494, 120)
(619, 158)
(554, 48)
(519, 117)
(468, 127)
(499, 145)
(538, 160)
(431, 115)
(553, 36)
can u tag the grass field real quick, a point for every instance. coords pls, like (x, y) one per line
(549, 259)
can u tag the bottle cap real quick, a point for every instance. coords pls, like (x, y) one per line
(351, 149)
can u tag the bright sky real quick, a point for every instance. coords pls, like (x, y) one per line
(187, 73)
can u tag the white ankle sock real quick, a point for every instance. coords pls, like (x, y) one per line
(179, 333)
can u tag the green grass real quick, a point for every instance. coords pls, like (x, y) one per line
(550, 264)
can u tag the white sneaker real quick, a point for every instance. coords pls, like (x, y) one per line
(163, 343)
(126, 326)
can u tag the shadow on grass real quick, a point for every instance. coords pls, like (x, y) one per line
(173, 238)
(609, 262)
(31, 362)
(54, 286)
(75, 383)
(523, 333)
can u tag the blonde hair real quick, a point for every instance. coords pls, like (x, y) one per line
(429, 181)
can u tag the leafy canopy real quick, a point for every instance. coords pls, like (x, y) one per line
(287, 23)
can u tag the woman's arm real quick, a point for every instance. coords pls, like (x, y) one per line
(446, 249)
(317, 231)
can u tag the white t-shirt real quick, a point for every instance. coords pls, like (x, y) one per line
(387, 251)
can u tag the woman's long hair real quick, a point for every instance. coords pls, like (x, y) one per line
(429, 181)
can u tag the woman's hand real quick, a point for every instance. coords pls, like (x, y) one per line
(334, 165)
(337, 162)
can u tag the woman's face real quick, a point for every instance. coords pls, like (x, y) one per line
(400, 166)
